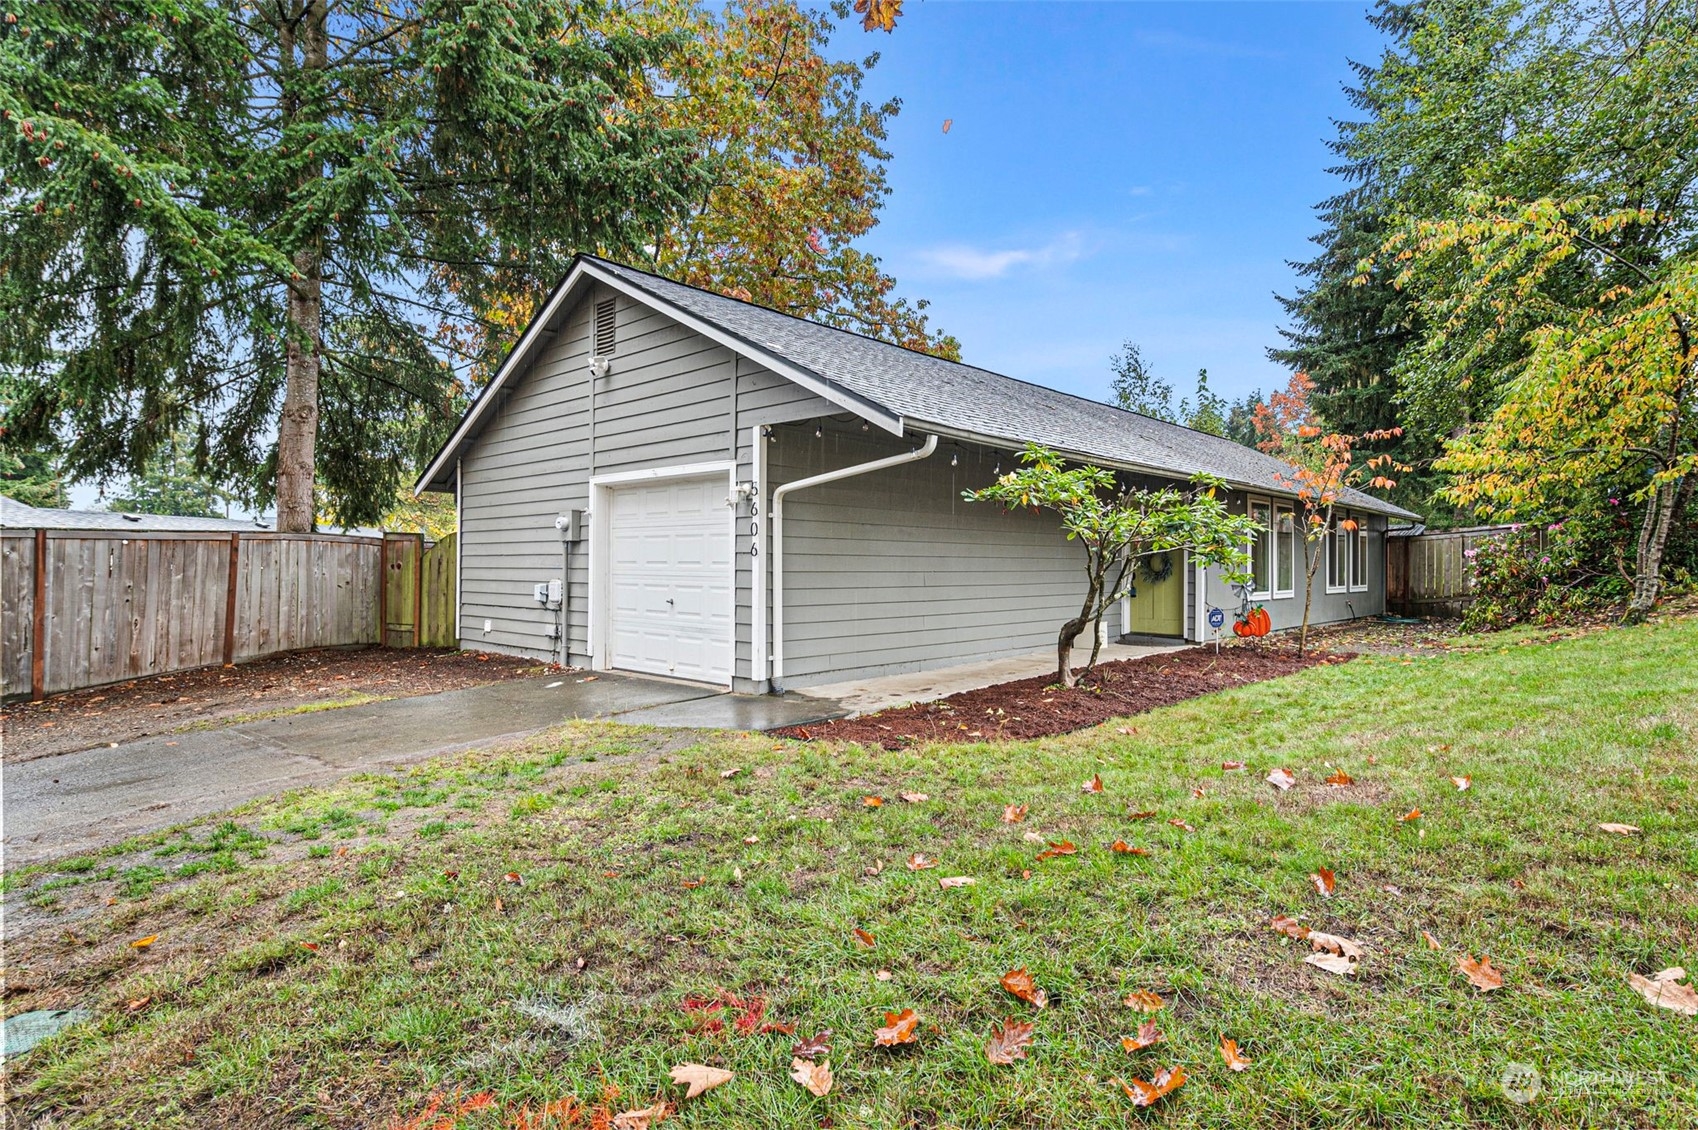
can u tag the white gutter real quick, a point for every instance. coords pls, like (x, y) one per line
(914, 456)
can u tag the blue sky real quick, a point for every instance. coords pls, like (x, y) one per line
(1111, 171)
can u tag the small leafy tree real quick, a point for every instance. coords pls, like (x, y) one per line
(1118, 523)
(171, 482)
(1323, 466)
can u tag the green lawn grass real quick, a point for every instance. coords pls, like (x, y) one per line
(436, 976)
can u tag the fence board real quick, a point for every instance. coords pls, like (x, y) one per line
(1428, 575)
(17, 625)
(438, 597)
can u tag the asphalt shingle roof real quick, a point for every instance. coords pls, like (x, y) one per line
(925, 389)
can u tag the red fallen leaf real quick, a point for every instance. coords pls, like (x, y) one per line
(1019, 982)
(1008, 1042)
(813, 1048)
(610, 874)
(1181, 824)
(872, 801)
(1340, 779)
(691, 884)
(1229, 1052)
(779, 1027)
(918, 862)
(1065, 847)
(898, 1029)
(701, 1004)
(1144, 999)
(1123, 848)
(1140, 815)
(1148, 1036)
(1232, 766)
(1412, 814)
(754, 1011)
(1094, 785)
(1481, 974)
(1288, 926)
(864, 938)
(1164, 1082)
(1013, 814)
(450, 874)
(310, 946)
(1323, 881)
(513, 877)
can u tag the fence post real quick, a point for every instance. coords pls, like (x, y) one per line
(383, 590)
(38, 643)
(230, 601)
(418, 587)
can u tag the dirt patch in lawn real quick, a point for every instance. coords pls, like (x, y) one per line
(281, 683)
(1037, 708)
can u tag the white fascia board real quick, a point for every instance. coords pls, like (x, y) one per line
(866, 409)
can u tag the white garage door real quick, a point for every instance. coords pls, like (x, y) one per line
(670, 552)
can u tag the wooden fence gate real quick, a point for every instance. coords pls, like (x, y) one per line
(1429, 574)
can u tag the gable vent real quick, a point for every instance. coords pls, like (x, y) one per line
(604, 339)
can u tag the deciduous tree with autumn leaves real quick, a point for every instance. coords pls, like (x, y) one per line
(1323, 466)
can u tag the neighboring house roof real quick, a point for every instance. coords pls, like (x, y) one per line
(901, 388)
(15, 515)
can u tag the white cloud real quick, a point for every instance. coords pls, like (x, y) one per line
(964, 261)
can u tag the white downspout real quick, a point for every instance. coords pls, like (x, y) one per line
(914, 456)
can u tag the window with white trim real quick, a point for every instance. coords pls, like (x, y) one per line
(1359, 555)
(1261, 549)
(1338, 557)
(1285, 550)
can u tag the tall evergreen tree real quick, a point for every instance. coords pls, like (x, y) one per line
(265, 215)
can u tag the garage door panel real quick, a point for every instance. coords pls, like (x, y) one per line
(671, 579)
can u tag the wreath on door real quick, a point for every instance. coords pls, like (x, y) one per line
(1156, 568)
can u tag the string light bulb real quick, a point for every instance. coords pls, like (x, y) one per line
(819, 431)
(954, 459)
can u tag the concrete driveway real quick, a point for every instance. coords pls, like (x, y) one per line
(74, 802)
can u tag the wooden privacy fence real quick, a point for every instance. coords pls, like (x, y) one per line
(86, 607)
(1428, 574)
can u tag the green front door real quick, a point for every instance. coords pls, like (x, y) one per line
(1158, 596)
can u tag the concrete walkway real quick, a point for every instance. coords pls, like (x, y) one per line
(78, 801)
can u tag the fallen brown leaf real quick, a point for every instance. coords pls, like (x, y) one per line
(1020, 983)
(918, 862)
(1621, 829)
(914, 798)
(814, 1077)
(1432, 942)
(1229, 1052)
(1339, 780)
(1323, 881)
(1662, 990)
(1164, 1082)
(644, 1117)
(1008, 1042)
(1123, 848)
(1462, 783)
(1013, 813)
(137, 1004)
(1141, 815)
(1412, 814)
(1232, 766)
(872, 801)
(1481, 974)
(818, 1045)
(1148, 1036)
(1094, 785)
(1144, 999)
(1281, 779)
(1332, 963)
(864, 938)
(143, 943)
(1177, 823)
(1288, 926)
(954, 881)
(699, 1077)
(1065, 847)
(727, 774)
(1333, 943)
(898, 1029)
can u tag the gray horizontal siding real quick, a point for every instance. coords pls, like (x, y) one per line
(893, 572)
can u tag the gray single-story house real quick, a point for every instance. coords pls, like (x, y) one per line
(739, 497)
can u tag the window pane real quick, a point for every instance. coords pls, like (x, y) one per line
(1359, 559)
(1338, 558)
(1259, 550)
(1285, 546)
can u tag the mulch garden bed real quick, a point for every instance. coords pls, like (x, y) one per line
(1037, 708)
(162, 703)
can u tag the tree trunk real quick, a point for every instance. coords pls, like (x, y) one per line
(1648, 561)
(297, 429)
(1312, 553)
(1064, 650)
